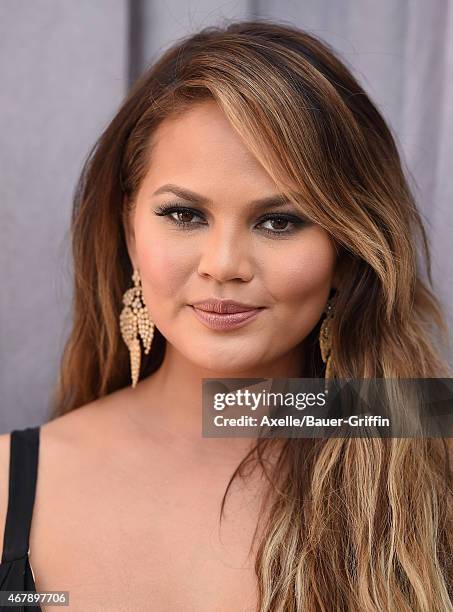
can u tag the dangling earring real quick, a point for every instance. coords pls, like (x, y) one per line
(325, 338)
(135, 322)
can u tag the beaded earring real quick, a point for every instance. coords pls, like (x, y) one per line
(135, 323)
(325, 337)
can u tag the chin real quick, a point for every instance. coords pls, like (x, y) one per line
(226, 369)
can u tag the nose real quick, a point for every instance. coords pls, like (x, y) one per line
(226, 255)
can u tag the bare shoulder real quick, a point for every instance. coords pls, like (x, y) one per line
(73, 441)
(87, 425)
(4, 481)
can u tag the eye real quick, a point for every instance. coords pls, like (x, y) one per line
(184, 217)
(279, 223)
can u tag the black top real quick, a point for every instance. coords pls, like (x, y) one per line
(15, 570)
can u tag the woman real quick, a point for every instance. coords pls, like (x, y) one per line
(246, 165)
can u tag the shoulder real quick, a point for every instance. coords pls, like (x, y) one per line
(91, 423)
(4, 481)
(65, 438)
(106, 420)
(74, 439)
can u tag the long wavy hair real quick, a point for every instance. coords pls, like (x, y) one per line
(357, 524)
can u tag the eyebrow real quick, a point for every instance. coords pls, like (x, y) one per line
(196, 198)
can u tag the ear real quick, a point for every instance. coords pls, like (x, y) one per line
(129, 233)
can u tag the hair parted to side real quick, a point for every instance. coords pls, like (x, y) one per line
(354, 524)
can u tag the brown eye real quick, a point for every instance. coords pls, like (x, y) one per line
(279, 223)
(180, 215)
(184, 216)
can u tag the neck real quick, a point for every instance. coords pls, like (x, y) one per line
(171, 398)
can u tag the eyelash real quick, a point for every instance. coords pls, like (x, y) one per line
(166, 210)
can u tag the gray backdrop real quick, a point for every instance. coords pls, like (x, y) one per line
(66, 65)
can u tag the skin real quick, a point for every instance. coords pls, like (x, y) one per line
(128, 492)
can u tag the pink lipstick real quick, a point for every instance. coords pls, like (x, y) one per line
(224, 314)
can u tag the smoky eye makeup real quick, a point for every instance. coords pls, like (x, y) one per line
(279, 224)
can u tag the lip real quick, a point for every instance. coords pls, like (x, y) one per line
(225, 321)
(223, 306)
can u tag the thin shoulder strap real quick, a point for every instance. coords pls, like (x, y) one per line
(23, 471)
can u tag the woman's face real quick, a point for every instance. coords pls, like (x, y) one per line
(227, 245)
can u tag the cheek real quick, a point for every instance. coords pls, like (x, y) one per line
(300, 277)
(164, 263)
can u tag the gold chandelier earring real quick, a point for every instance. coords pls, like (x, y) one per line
(135, 323)
(325, 337)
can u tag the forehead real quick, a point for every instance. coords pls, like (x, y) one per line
(200, 149)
